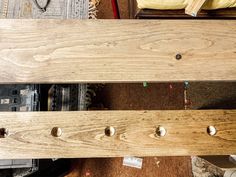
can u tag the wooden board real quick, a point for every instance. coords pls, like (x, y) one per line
(83, 134)
(72, 51)
(194, 6)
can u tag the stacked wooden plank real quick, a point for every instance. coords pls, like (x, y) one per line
(117, 51)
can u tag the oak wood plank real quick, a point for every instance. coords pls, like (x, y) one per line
(194, 6)
(72, 51)
(29, 133)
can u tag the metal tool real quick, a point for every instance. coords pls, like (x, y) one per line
(43, 9)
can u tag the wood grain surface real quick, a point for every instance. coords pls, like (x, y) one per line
(29, 134)
(194, 6)
(71, 51)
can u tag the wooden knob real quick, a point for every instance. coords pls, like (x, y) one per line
(56, 132)
(3, 132)
(211, 130)
(110, 131)
(160, 131)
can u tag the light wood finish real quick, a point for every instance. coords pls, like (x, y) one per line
(194, 6)
(83, 134)
(71, 51)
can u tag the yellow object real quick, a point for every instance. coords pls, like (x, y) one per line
(181, 4)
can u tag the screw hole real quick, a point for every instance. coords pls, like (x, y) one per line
(211, 130)
(3, 132)
(110, 131)
(178, 56)
(160, 131)
(56, 132)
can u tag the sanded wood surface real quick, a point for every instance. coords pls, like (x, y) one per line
(194, 6)
(73, 51)
(83, 134)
